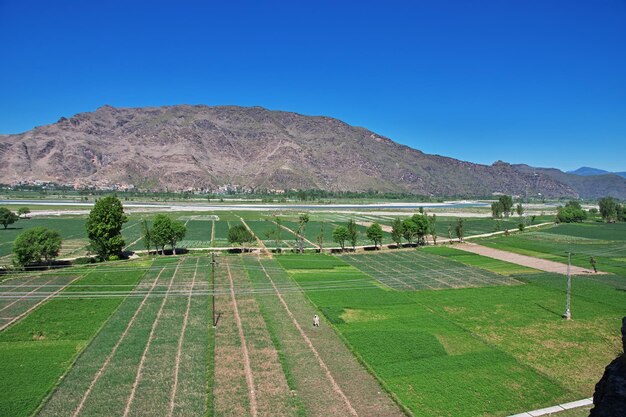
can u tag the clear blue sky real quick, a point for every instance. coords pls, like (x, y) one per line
(541, 82)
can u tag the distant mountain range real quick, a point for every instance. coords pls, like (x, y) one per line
(587, 171)
(199, 147)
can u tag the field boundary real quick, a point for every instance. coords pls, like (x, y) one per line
(556, 408)
(181, 338)
(244, 348)
(144, 354)
(100, 372)
(320, 361)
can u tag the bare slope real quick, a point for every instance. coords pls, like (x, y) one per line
(182, 147)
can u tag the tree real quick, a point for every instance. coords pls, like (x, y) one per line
(608, 209)
(458, 229)
(7, 217)
(278, 232)
(320, 238)
(432, 229)
(146, 233)
(375, 234)
(397, 230)
(507, 204)
(572, 212)
(104, 227)
(422, 224)
(36, 245)
(497, 209)
(177, 233)
(340, 235)
(303, 219)
(409, 230)
(166, 231)
(23, 212)
(353, 234)
(240, 235)
(519, 210)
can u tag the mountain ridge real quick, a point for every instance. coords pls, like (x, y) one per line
(589, 171)
(202, 147)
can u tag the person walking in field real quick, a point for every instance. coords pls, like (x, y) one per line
(592, 260)
(316, 321)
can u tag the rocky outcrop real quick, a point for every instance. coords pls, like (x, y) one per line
(609, 399)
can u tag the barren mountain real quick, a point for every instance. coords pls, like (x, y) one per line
(201, 147)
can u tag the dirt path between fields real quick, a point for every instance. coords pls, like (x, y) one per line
(259, 241)
(104, 366)
(244, 348)
(144, 354)
(524, 260)
(296, 235)
(181, 338)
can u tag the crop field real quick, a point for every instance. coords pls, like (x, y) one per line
(495, 350)
(416, 270)
(605, 242)
(428, 331)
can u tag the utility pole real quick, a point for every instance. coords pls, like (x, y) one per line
(213, 265)
(568, 314)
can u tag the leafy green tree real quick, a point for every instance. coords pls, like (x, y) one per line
(320, 237)
(303, 219)
(507, 204)
(7, 217)
(458, 229)
(340, 236)
(497, 209)
(432, 229)
(572, 212)
(519, 210)
(608, 209)
(397, 231)
(375, 234)
(36, 245)
(23, 211)
(278, 239)
(146, 234)
(409, 230)
(422, 224)
(353, 233)
(166, 231)
(240, 235)
(104, 227)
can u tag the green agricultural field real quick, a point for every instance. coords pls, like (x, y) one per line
(37, 350)
(605, 242)
(432, 331)
(466, 351)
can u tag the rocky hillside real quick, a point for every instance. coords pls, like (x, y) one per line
(200, 147)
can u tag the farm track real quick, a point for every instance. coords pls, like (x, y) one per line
(321, 364)
(524, 260)
(244, 348)
(293, 232)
